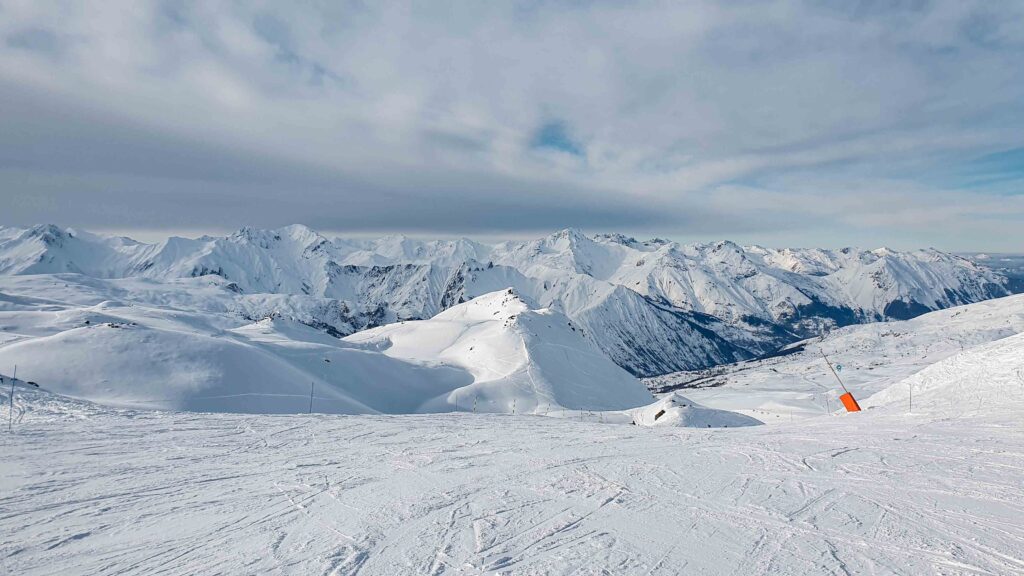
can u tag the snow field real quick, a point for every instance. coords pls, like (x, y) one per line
(493, 352)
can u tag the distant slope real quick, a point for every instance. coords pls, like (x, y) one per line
(982, 380)
(1008, 265)
(872, 358)
(494, 350)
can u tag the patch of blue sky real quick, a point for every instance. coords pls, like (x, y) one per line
(555, 136)
(998, 173)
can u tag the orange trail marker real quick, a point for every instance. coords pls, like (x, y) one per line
(850, 402)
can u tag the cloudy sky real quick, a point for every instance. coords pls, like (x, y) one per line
(784, 122)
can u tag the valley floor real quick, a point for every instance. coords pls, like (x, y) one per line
(89, 490)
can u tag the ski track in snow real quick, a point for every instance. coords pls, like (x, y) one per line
(89, 490)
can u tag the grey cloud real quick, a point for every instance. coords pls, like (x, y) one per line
(432, 117)
(35, 39)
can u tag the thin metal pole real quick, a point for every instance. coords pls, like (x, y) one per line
(311, 386)
(834, 373)
(10, 413)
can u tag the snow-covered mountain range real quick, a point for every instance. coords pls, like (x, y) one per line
(652, 306)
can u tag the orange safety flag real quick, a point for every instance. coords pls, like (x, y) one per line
(850, 403)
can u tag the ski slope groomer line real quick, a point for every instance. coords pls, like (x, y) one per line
(92, 490)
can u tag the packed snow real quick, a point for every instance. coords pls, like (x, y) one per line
(971, 382)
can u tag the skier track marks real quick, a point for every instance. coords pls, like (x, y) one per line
(106, 492)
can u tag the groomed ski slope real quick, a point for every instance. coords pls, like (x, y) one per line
(91, 490)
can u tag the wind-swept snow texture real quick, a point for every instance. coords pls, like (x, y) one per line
(492, 354)
(652, 307)
(91, 490)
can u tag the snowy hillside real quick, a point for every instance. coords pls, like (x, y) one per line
(984, 379)
(521, 360)
(81, 341)
(871, 357)
(652, 307)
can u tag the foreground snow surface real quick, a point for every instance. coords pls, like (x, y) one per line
(90, 490)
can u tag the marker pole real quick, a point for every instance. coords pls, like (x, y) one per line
(834, 373)
(10, 413)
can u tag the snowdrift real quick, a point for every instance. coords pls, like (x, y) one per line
(493, 352)
(678, 410)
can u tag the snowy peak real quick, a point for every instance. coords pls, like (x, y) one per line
(505, 304)
(616, 239)
(568, 249)
(520, 359)
(48, 249)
